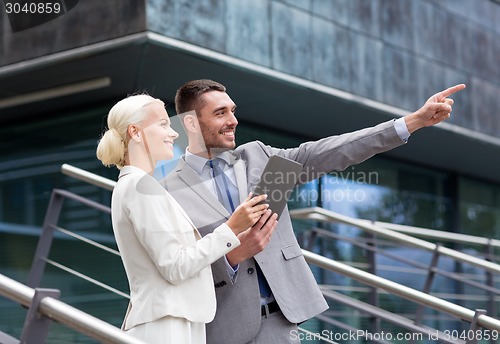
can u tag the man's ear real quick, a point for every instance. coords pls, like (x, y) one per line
(134, 133)
(190, 122)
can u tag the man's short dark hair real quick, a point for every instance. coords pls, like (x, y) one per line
(187, 97)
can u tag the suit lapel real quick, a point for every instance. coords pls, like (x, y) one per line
(193, 182)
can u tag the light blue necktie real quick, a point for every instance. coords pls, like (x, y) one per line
(228, 195)
(227, 192)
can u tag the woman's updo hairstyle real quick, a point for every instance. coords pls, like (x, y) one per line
(112, 147)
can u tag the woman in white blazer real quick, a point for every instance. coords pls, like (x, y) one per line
(166, 260)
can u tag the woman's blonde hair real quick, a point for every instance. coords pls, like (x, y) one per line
(112, 147)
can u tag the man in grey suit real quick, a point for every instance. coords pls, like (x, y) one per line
(247, 311)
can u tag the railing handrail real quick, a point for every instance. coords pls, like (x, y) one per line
(65, 314)
(467, 279)
(88, 177)
(320, 214)
(436, 234)
(401, 290)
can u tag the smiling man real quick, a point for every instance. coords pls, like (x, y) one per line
(264, 287)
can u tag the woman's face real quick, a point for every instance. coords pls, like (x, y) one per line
(158, 136)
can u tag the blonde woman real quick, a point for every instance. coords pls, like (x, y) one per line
(166, 260)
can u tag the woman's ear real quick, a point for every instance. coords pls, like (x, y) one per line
(134, 133)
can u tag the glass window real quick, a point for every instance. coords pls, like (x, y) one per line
(479, 205)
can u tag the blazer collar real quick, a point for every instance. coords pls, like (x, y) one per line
(126, 170)
(197, 162)
(192, 179)
(130, 169)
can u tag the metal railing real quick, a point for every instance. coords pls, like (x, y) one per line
(410, 294)
(438, 235)
(416, 273)
(88, 177)
(474, 317)
(324, 215)
(44, 302)
(38, 302)
(375, 231)
(320, 214)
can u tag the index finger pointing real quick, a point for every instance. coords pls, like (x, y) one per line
(451, 90)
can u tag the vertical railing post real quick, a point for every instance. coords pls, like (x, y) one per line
(372, 268)
(472, 338)
(428, 283)
(490, 281)
(46, 238)
(36, 326)
(311, 240)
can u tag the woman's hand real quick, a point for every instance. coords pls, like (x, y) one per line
(247, 213)
(254, 239)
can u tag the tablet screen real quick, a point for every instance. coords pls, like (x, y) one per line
(278, 181)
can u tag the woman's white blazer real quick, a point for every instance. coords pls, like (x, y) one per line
(166, 260)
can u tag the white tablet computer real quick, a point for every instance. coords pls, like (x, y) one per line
(277, 181)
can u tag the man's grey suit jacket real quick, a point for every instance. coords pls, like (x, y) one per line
(293, 285)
